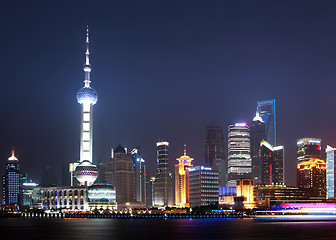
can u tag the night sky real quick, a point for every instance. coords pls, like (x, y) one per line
(162, 70)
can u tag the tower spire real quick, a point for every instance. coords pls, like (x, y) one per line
(185, 149)
(87, 66)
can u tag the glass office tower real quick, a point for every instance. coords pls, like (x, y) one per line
(308, 148)
(239, 157)
(331, 167)
(266, 110)
(12, 182)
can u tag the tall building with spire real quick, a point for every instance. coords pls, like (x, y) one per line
(86, 172)
(12, 182)
(181, 180)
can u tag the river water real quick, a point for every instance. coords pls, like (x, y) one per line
(136, 229)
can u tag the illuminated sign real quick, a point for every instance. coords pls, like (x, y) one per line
(240, 125)
(191, 169)
(162, 143)
(206, 168)
(30, 184)
(314, 141)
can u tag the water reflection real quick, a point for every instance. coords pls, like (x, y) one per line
(136, 229)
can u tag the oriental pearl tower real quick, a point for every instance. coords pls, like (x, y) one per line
(86, 172)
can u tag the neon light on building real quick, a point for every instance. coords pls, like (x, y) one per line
(181, 180)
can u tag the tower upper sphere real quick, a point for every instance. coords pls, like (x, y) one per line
(87, 95)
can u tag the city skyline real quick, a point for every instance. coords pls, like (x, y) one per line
(142, 61)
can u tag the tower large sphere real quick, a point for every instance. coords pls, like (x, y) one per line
(86, 173)
(87, 95)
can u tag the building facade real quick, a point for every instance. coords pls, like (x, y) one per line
(27, 194)
(257, 134)
(203, 186)
(308, 148)
(244, 188)
(86, 172)
(239, 157)
(99, 196)
(214, 151)
(274, 195)
(311, 177)
(331, 169)
(140, 171)
(12, 182)
(120, 173)
(65, 198)
(163, 193)
(271, 164)
(266, 110)
(181, 180)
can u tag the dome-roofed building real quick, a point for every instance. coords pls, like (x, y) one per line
(119, 149)
(120, 173)
(102, 195)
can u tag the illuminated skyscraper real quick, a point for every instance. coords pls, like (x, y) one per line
(86, 172)
(331, 169)
(181, 180)
(311, 177)
(140, 170)
(12, 182)
(266, 110)
(214, 151)
(257, 134)
(239, 157)
(308, 148)
(271, 164)
(163, 194)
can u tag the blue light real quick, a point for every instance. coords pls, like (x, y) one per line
(138, 159)
(206, 168)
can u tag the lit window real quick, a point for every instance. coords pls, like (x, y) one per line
(86, 126)
(86, 117)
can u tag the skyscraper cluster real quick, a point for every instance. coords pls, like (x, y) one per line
(245, 166)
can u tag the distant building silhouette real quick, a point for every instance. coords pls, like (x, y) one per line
(214, 151)
(48, 175)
